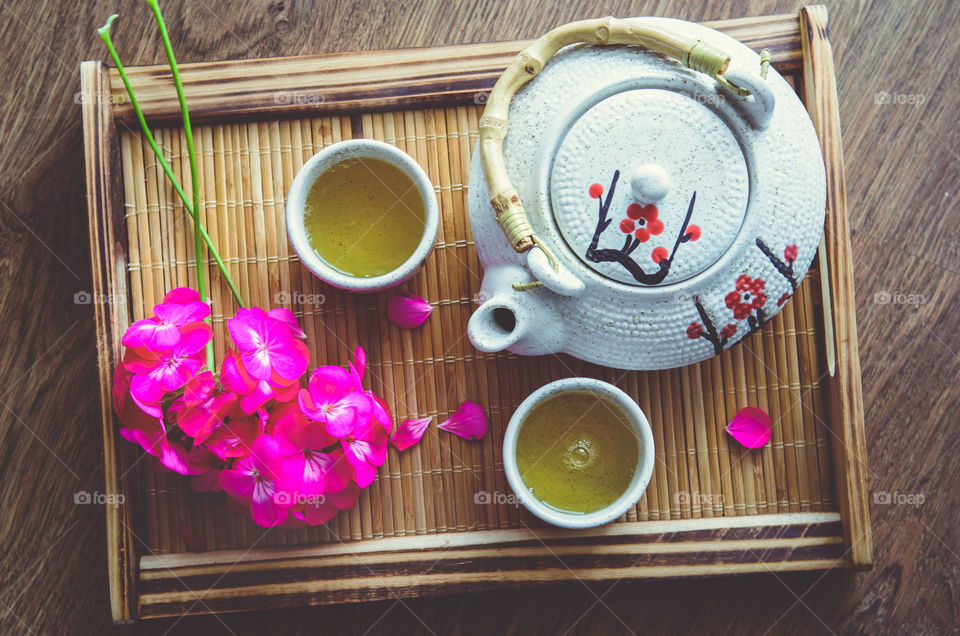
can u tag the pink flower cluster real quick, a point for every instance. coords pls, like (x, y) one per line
(294, 455)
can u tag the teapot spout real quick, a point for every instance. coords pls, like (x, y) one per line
(493, 327)
(519, 321)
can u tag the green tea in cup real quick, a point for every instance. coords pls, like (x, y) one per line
(364, 217)
(577, 452)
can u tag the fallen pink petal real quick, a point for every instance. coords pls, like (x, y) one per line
(469, 421)
(408, 311)
(409, 433)
(751, 427)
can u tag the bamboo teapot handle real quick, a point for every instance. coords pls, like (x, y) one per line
(691, 52)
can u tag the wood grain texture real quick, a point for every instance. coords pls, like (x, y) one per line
(902, 165)
(107, 250)
(365, 81)
(380, 569)
(844, 390)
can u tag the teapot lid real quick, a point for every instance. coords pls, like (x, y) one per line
(648, 185)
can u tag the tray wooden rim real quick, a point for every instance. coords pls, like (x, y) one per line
(424, 564)
(416, 78)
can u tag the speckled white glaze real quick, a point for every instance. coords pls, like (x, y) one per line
(751, 183)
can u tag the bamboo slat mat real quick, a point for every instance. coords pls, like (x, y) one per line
(245, 171)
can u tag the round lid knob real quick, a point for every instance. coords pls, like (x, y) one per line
(649, 183)
(648, 186)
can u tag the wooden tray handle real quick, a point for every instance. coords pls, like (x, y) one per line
(691, 52)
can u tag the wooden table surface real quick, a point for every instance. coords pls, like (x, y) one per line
(899, 104)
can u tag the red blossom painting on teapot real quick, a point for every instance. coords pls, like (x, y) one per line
(746, 301)
(638, 225)
(748, 293)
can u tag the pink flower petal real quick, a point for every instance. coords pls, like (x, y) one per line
(201, 461)
(408, 310)
(174, 457)
(257, 364)
(318, 512)
(286, 316)
(469, 421)
(154, 409)
(346, 498)
(341, 421)
(305, 473)
(309, 408)
(233, 438)
(132, 413)
(202, 407)
(409, 433)
(193, 338)
(164, 337)
(267, 344)
(235, 376)
(353, 411)
(237, 483)
(381, 412)
(314, 435)
(141, 360)
(339, 471)
(146, 388)
(173, 376)
(151, 333)
(290, 359)
(181, 295)
(287, 413)
(286, 393)
(154, 441)
(139, 333)
(206, 482)
(751, 427)
(247, 328)
(266, 507)
(252, 401)
(280, 382)
(367, 444)
(328, 384)
(374, 450)
(267, 457)
(364, 473)
(297, 433)
(128, 434)
(359, 364)
(180, 315)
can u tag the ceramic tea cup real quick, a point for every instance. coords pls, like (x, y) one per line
(642, 470)
(323, 161)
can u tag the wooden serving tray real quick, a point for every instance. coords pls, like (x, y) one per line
(438, 519)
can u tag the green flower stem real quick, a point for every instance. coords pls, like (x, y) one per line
(192, 153)
(104, 33)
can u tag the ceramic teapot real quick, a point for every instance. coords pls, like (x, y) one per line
(659, 196)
